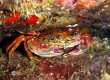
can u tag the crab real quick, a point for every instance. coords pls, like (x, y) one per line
(52, 42)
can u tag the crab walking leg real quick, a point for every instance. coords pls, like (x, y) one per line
(28, 51)
(13, 43)
(30, 33)
(15, 46)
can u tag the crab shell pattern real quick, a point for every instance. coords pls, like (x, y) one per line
(54, 42)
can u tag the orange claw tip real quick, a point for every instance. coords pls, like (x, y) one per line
(31, 20)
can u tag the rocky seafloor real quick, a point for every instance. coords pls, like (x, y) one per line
(87, 66)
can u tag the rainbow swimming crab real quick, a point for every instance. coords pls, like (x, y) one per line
(52, 42)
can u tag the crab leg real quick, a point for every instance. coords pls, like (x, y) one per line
(13, 43)
(30, 33)
(28, 51)
(14, 46)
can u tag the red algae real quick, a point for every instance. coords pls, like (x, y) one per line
(14, 18)
(44, 67)
(31, 20)
(65, 70)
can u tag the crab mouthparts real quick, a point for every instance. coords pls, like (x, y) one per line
(76, 50)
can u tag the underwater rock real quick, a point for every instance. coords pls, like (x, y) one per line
(93, 64)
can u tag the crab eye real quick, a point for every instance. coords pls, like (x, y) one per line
(52, 38)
